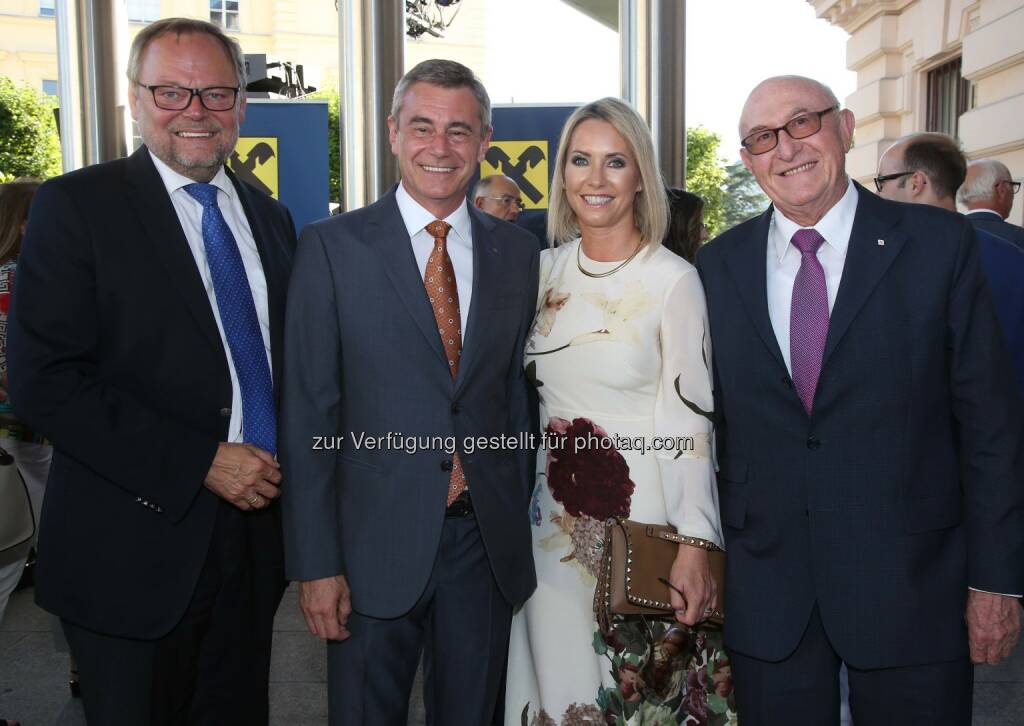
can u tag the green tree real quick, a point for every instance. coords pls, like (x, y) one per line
(743, 197)
(705, 175)
(29, 145)
(333, 141)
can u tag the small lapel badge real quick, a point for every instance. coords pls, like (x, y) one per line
(881, 243)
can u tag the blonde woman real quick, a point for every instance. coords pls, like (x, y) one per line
(621, 359)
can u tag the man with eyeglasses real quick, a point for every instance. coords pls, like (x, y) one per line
(405, 333)
(928, 168)
(146, 343)
(499, 196)
(988, 193)
(870, 461)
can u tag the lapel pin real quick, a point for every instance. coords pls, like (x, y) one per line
(881, 243)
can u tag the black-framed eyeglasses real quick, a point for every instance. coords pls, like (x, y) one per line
(881, 180)
(806, 124)
(1015, 186)
(176, 98)
(508, 201)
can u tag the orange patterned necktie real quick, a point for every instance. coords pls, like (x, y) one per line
(444, 299)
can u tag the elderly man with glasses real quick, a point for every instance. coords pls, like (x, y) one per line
(145, 343)
(870, 461)
(988, 193)
(499, 196)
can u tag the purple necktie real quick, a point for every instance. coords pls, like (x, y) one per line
(808, 317)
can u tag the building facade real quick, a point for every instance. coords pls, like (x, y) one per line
(301, 31)
(954, 66)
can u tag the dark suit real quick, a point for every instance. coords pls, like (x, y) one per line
(115, 356)
(364, 357)
(1003, 265)
(994, 224)
(869, 518)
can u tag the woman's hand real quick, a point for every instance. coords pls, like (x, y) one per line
(691, 576)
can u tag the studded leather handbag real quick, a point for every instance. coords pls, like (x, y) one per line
(635, 565)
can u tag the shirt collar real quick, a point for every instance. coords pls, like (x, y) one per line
(835, 226)
(983, 210)
(175, 181)
(416, 217)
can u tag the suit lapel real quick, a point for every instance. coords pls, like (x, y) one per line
(874, 244)
(391, 239)
(164, 234)
(748, 263)
(486, 271)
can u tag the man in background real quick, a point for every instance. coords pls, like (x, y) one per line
(988, 192)
(499, 196)
(145, 342)
(928, 168)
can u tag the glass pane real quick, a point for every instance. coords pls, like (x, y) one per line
(232, 21)
(216, 5)
(231, 6)
(46, 8)
(215, 17)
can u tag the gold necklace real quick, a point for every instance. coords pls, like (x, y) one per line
(612, 271)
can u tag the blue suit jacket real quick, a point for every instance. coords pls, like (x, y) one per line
(994, 224)
(1004, 271)
(904, 485)
(363, 356)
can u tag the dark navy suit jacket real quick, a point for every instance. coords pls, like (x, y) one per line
(115, 356)
(904, 485)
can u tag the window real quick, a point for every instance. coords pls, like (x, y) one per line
(949, 96)
(143, 11)
(46, 8)
(224, 13)
(49, 87)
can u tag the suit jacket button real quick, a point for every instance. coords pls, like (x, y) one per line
(456, 408)
(225, 412)
(813, 442)
(446, 465)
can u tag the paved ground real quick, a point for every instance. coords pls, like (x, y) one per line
(33, 677)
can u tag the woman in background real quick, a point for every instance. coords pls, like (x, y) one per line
(686, 230)
(620, 356)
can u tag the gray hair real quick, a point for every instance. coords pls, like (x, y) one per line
(483, 187)
(446, 74)
(650, 206)
(180, 27)
(982, 177)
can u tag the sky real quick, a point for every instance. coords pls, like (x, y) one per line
(565, 56)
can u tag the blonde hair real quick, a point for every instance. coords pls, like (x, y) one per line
(650, 206)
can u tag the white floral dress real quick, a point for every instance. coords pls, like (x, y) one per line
(622, 368)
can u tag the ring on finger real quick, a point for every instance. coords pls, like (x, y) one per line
(254, 501)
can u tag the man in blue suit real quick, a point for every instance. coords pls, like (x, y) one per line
(988, 192)
(870, 457)
(928, 168)
(405, 397)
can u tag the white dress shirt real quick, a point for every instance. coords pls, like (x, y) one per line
(190, 215)
(460, 245)
(983, 210)
(784, 261)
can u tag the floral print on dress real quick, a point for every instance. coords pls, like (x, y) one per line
(665, 674)
(588, 476)
(620, 316)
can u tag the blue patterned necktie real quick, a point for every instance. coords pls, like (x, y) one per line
(241, 326)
